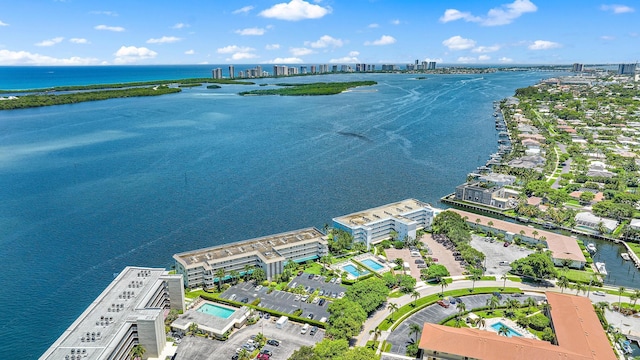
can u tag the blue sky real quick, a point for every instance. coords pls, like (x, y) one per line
(91, 32)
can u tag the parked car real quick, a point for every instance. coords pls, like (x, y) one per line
(266, 351)
(498, 295)
(312, 290)
(321, 302)
(273, 342)
(304, 329)
(321, 292)
(304, 298)
(313, 331)
(300, 272)
(297, 298)
(310, 316)
(315, 300)
(341, 295)
(267, 315)
(244, 300)
(258, 288)
(443, 304)
(310, 276)
(263, 357)
(332, 280)
(422, 266)
(599, 293)
(235, 357)
(506, 243)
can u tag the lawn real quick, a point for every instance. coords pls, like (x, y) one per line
(577, 275)
(635, 247)
(314, 268)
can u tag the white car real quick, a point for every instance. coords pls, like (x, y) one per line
(315, 300)
(297, 298)
(258, 287)
(599, 293)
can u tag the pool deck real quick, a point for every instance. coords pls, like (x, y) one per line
(211, 323)
(510, 323)
(370, 256)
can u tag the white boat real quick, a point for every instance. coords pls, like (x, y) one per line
(591, 247)
(625, 256)
(601, 268)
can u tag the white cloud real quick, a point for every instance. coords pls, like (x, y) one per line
(109, 28)
(300, 51)
(8, 57)
(164, 40)
(395, 22)
(108, 13)
(439, 60)
(130, 54)
(384, 40)
(346, 59)
(242, 56)
(325, 41)
(502, 15)
(543, 45)
(459, 43)
(180, 26)
(234, 49)
(505, 60)
(290, 60)
(250, 31)
(50, 42)
(295, 10)
(79, 41)
(272, 46)
(2, 23)
(354, 53)
(485, 49)
(607, 37)
(466, 59)
(617, 9)
(484, 57)
(243, 10)
(373, 26)
(190, 52)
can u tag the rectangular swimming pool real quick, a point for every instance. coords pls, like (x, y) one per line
(510, 331)
(354, 271)
(374, 265)
(216, 310)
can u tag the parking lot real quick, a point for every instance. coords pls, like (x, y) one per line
(198, 348)
(285, 301)
(435, 313)
(495, 253)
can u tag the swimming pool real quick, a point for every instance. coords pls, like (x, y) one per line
(510, 332)
(374, 265)
(354, 271)
(216, 310)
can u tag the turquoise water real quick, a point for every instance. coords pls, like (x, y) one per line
(216, 310)
(354, 271)
(90, 188)
(511, 332)
(374, 265)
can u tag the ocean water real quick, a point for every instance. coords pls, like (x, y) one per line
(87, 189)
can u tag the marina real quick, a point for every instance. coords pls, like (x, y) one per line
(600, 266)
(591, 247)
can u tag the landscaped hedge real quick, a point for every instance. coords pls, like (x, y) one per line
(538, 322)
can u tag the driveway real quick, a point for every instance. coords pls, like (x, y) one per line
(405, 255)
(495, 252)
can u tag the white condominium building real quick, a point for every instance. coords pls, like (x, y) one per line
(374, 225)
(270, 253)
(130, 311)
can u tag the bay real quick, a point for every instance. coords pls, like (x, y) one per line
(87, 189)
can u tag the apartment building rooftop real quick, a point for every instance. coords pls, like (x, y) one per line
(393, 210)
(97, 332)
(265, 245)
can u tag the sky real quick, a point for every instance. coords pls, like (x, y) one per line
(138, 32)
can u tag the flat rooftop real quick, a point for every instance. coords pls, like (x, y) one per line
(266, 245)
(561, 246)
(393, 210)
(95, 331)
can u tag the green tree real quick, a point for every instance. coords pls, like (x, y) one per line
(620, 291)
(137, 351)
(476, 274)
(548, 335)
(579, 287)
(538, 266)
(393, 307)
(530, 302)
(512, 305)
(504, 277)
(369, 293)
(359, 353)
(493, 303)
(480, 321)
(415, 295)
(415, 329)
(303, 353)
(563, 283)
(462, 307)
(390, 280)
(247, 271)
(220, 274)
(244, 354)
(503, 330)
(330, 349)
(435, 271)
(235, 275)
(635, 296)
(534, 233)
(443, 283)
(345, 319)
(376, 333)
(587, 196)
(258, 275)
(407, 283)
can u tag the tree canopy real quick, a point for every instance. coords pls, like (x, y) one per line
(369, 293)
(345, 319)
(537, 265)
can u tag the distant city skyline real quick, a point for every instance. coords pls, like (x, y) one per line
(73, 32)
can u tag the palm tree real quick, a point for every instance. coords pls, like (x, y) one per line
(490, 223)
(512, 305)
(415, 295)
(534, 233)
(591, 280)
(235, 275)
(193, 328)
(620, 291)
(530, 302)
(244, 354)
(504, 331)
(493, 303)
(504, 277)
(522, 232)
(260, 339)
(393, 307)
(376, 333)
(462, 307)
(247, 269)
(478, 222)
(563, 282)
(220, 273)
(475, 276)
(480, 321)
(137, 351)
(443, 283)
(415, 329)
(579, 287)
(635, 296)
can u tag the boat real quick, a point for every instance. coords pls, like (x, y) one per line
(625, 345)
(601, 268)
(591, 247)
(625, 256)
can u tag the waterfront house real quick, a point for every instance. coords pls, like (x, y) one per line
(593, 222)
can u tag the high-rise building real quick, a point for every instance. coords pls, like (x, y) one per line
(216, 73)
(627, 69)
(231, 72)
(432, 65)
(313, 69)
(577, 67)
